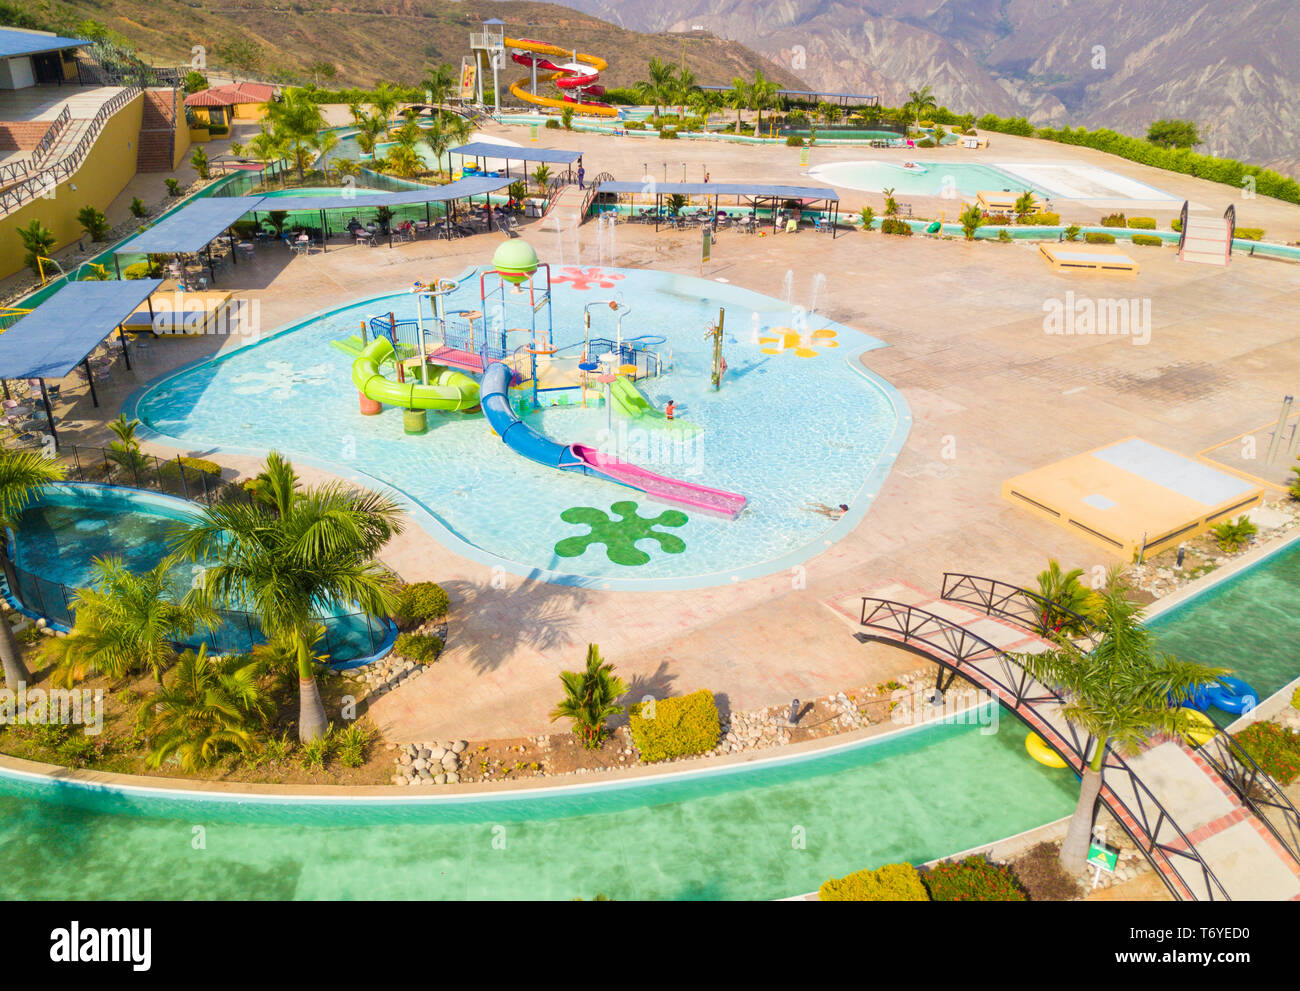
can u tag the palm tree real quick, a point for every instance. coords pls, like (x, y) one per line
(1065, 599)
(1025, 205)
(384, 102)
(125, 451)
(208, 705)
(408, 135)
(971, 220)
(126, 622)
(22, 476)
(683, 87)
(762, 94)
(705, 103)
(919, 101)
(267, 147)
(295, 121)
(891, 204)
(311, 551)
(659, 88)
(737, 98)
(542, 175)
(440, 81)
(357, 112)
(1119, 693)
(403, 161)
(589, 698)
(439, 140)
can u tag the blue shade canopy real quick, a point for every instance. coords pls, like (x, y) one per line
(652, 187)
(32, 42)
(56, 337)
(191, 228)
(459, 190)
(513, 153)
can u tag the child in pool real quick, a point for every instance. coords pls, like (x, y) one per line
(670, 409)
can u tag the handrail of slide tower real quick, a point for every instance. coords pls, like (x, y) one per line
(1149, 824)
(1254, 786)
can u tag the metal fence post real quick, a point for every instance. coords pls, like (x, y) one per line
(180, 466)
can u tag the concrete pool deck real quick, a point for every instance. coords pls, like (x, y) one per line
(992, 395)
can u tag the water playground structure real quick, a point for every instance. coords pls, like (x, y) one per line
(574, 73)
(463, 362)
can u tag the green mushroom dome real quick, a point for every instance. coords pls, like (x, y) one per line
(515, 260)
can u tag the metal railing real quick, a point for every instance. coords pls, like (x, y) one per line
(1253, 785)
(38, 183)
(1147, 822)
(51, 136)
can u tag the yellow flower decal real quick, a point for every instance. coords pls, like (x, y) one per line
(801, 346)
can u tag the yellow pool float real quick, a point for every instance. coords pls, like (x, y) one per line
(1203, 729)
(1041, 752)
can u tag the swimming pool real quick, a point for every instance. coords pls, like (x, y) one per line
(939, 178)
(68, 526)
(331, 191)
(756, 831)
(1246, 623)
(803, 423)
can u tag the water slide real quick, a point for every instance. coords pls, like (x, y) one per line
(578, 72)
(628, 401)
(523, 439)
(448, 390)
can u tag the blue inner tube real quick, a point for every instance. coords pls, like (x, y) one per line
(1232, 695)
(1198, 699)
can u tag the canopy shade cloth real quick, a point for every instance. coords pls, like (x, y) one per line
(458, 190)
(191, 228)
(653, 187)
(194, 226)
(56, 337)
(513, 153)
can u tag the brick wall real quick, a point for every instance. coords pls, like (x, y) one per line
(157, 131)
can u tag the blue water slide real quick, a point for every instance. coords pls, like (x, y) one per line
(517, 435)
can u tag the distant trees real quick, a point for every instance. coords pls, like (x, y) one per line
(1173, 133)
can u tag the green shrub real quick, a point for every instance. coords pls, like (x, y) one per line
(1142, 223)
(170, 469)
(794, 141)
(422, 601)
(218, 130)
(1233, 535)
(892, 225)
(1114, 220)
(1099, 238)
(315, 754)
(1150, 240)
(140, 270)
(868, 217)
(173, 186)
(675, 727)
(1004, 236)
(635, 125)
(667, 133)
(138, 207)
(93, 223)
(1043, 218)
(1176, 225)
(891, 883)
(1295, 699)
(552, 124)
(1275, 749)
(1072, 232)
(925, 143)
(1249, 233)
(419, 647)
(353, 744)
(972, 880)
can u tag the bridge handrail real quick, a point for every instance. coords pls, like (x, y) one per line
(954, 650)
(997, 598)
(1228, 759)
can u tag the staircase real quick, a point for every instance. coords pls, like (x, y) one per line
(157, 131)
(1207, 240)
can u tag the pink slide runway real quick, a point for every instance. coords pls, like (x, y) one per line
(660, 487)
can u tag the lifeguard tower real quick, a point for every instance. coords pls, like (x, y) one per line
(492, 42)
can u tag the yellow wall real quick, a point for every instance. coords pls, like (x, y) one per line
(182, 142)
(103, 173)
(250, 111)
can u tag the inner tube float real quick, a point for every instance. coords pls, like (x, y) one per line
(1231, 695)
(1041, 752)
(1201, 729)
(934, 228)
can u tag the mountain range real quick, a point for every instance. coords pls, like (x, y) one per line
(1233, 68)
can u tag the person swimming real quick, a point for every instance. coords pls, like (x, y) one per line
(670, 409)
(821, 509)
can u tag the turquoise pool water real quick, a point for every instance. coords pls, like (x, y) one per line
(1247, 623)
(59, 536)
(784, 431)
(938, 178)
(731, 835)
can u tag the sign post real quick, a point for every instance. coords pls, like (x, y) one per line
(1102, 858)
(706, 245)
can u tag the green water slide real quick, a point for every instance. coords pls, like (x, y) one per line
(448, 389)
(629, 402)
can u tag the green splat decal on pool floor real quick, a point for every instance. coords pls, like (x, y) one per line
(621, 535)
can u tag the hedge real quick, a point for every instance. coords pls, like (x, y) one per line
(201, 465)
(925, 143)
(1044, 219)
(421, 601)
(668, 134)
(1142, 223)
(1176, 225)
(1099, 238)
(419, 647)
(675, 727)
(1114, 220)
(1148, 239)
(1181, 160)
(891, 225)
(1275, 749)
(891, 883)
(972, 880)
(552, 124)
(1249, 233)
(794, 141)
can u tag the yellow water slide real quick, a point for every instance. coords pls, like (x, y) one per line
(519, 89)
